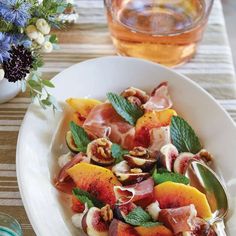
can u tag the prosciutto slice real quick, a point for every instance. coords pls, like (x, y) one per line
(135, 192)
(103, 121)
(179, 219)
(159, 100)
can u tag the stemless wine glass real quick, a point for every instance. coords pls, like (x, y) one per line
(164, 31)
(9, 226)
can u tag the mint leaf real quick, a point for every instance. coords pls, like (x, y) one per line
(169, 176)
(150, 224)
(86, 197)
(118, 152)
(80, 137)
(183, 136)
(130, 112)
(138, 217)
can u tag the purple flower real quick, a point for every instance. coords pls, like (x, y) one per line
(15, 11)
(4, 47)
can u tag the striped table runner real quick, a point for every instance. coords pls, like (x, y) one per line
(212, 68)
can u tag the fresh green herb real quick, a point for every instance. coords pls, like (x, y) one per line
(130, 112)
(183, 136)
(118, 152)
(138, 217)
(159, 177)
(80, 137)
(150, 224)
(38, 90)
(85, 197)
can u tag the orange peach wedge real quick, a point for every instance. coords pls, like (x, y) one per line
(96, 180)
(158, 230)
(173, 195)
(82, 107)
(155, 119)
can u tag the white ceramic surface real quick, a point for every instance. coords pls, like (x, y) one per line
(8, 90)
(40, 143)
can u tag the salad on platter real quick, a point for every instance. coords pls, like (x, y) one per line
(125, 171)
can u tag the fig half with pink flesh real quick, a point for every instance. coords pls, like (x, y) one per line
(167, 156)
(142, 163)
(93, 223)
(182, 161)
(131, 178)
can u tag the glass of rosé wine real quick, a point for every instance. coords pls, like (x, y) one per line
(163, 31)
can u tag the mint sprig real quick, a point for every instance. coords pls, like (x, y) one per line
(80, 137)
(118, 152)
(130, 112)
(85, 197)
(183, 136)
(139, 217)
(161, 177)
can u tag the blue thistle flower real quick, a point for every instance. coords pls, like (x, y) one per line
(15, 11)
(4, 47)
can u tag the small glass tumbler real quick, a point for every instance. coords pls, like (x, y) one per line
(9, 226)
(163, 31)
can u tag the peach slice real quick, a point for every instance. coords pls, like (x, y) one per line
(155, 119)
(82, 107)
(173, 195)
(158, 230)
(96, 180)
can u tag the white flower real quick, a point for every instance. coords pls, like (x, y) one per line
(47, 47)
(43, 26)
(2, 74)
(70, 1)
(40, 1)
(40, 39)
(31, 32)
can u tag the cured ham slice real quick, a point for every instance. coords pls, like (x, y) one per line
(103, 121)
(160, 99)
(159, 137)
(134, 192)
(63, 182)
(179, 219)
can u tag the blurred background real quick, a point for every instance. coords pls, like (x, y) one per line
(229, 7)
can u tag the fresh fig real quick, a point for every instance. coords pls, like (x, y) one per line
(131, 178)
(121, 211)
(142, 163)
(93, 224)
(182, 161)
(99, 150)
(167, 156)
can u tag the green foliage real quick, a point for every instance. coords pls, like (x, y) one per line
(117, 152)
(80, 137)
(38, 91)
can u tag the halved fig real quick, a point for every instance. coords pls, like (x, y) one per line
(137, 162)
(70, 142)
(131, 178)
(167, 156)
(93, 223)
(182, 161)
(99, 150)
(119, 228)
(121, 211)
